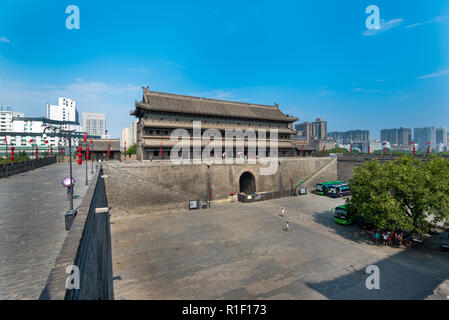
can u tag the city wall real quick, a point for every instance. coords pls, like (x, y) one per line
(145, 187)
(23, 166)
(348, 162)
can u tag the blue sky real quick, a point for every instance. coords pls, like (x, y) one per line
(314, 58)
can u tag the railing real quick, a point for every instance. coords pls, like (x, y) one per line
(12, 168)
(87, 249)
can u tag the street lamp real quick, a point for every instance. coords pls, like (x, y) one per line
(71, 213)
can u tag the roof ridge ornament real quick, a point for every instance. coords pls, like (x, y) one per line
(146, 95)
(276, 105)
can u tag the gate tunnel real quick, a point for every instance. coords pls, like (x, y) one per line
(247, 183)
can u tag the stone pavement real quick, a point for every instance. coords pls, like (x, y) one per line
(239, 251)
(32, 229)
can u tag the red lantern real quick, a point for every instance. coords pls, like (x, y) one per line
(12, 154)
(37, 152)
(51, 151)
(80, 155)
(87, 153)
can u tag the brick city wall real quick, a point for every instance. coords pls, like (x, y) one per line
(347, 163)
(23, 166)
(135, 187)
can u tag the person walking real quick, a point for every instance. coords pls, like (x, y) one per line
(287, 227)
(377, 237)
(282, 212)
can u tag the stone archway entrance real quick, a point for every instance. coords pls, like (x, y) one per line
(247, 183)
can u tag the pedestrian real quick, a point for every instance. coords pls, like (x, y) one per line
(373, 234)
(377, 236)
(389, 238)
(282, 212)
(287, 227)
(385, 238)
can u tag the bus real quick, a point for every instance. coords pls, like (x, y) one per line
(321, 188)
(339, 190)
(342, 215)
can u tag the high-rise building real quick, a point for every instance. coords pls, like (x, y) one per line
(441, 136)
(303, 132)
(351, 136)
(64, 111)
(319, 129)
(311, 131)
(129, 135)
(401, 136)
(94, 124)
(6, 116)
(422, 136)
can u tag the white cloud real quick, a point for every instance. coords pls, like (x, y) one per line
(433, 75)
(4, 39)
(142, 70)
(361, 90)
(384, 26)
(434, 20)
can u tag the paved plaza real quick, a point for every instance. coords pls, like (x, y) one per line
(32, 229)
(240, 251)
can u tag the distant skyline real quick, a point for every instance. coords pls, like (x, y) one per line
(316, 59)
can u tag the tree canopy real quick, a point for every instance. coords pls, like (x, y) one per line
(405, 194)
(131, 150)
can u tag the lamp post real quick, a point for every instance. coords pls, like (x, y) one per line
(69, 134)
(6, 157)
(92, 164)
(87, 150)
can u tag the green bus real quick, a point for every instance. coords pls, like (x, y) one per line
(342, 215)
(322, 188)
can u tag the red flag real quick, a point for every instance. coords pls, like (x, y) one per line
(324, 148)
(91, 140)
(6, 140)
(350, 148)
(428, 147)
(31, 141)
(85, 137)
(160, 150)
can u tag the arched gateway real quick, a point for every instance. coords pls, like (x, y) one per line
(247, 183)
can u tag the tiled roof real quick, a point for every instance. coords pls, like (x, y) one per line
(159, 101)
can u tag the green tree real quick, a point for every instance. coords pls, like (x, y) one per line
(131, 150)
(403, 194)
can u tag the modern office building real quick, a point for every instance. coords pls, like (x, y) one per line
(441, 136)
(94, 124)
(64, 111)
(310, 131)
(422, 136)
(161, 113)
(352, 136)
(6, 116)
(400, 136)
(129, 135)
